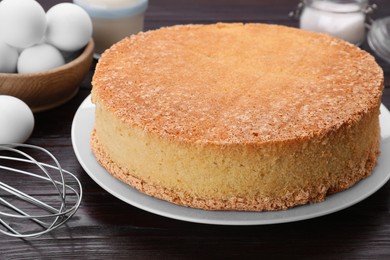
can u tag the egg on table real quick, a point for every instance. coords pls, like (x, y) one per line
(22, 22)
(16, 120)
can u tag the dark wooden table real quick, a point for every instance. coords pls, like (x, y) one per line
(107, 228)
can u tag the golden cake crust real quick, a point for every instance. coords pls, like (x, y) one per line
(230, 117)
(291, 90)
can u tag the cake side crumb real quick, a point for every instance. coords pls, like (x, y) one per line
(181, 198)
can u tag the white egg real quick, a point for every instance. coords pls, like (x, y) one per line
(8, 58)
(39, 58)
(16, 120)
(69, 27)
(22, 22)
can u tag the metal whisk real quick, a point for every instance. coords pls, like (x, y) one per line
(23, 215)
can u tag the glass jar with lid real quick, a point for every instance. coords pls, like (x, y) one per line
(345, 19)
(113, 20)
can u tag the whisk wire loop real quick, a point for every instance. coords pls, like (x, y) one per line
(69, 195)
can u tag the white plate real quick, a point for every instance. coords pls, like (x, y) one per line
(83, 125)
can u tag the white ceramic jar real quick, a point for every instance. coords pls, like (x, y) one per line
(343, 19)
(113, 20)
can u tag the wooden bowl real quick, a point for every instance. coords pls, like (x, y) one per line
(45, 90)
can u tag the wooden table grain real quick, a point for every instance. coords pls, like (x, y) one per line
(107, 228)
